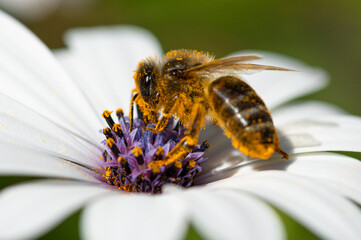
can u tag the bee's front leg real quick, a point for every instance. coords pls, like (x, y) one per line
(189, 141)
(167, 113)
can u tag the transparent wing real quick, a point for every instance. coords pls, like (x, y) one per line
(230, 66)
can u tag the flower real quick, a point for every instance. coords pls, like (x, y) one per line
(37, 10)
(127, 160)
(49, 126)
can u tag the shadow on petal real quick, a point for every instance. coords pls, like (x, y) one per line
(225, 160)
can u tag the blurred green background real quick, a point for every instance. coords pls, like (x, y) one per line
(320, 33)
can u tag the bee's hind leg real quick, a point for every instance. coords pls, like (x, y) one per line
(189, 141)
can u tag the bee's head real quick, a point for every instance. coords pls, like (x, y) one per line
(146, 77)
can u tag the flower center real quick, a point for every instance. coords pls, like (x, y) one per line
(128, 156)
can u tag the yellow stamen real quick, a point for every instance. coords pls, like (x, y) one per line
(137, 151)
(106, 113)
(110, 142)
(116, 128)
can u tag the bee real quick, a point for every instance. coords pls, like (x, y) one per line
(193, 86)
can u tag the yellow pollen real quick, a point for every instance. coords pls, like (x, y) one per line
(110, 142)
(156, 169)
(108, 172)
(116, 128)
(106, 130)
(155, 164)
(106, 113)
(191, 163)
(178, 164)
(119, 111)
(122, 160)
(137, 151)
(160, 151)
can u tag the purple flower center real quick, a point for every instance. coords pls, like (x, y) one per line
(127, 156)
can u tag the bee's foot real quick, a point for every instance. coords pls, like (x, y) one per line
(284, 154)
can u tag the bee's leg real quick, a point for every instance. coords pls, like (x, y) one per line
(139, 112)
(167, 113)
(284, 154)
(131, 110)
(190, 140)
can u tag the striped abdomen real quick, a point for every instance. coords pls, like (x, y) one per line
(244, 117)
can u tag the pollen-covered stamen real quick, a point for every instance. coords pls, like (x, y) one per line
(118, 131)
(108, 118)
(111, 144)
(159, 154)
(176, 166)
(105, 155)
(120, 114)
(124, 163)
(107, 133)
(134, 160)
(138, 154)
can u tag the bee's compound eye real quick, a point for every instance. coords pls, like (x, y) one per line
(146, 85)
(146, 81)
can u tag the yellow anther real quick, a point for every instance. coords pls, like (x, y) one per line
(178, 164)
(110, 142)
(155, 164)
(191, 164)
(137, 151)
(106, 113)
(160, 151)
(106, 130)
(116, 128)
(119, 112)
(122, 160)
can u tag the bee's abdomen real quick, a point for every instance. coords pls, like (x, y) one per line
(242, 113)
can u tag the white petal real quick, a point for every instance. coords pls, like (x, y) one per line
(299, 110)
(21, 161)
(291, 121)
(324, 133)
(232, 214)
(30, 74)
(30, 210)
(277, 87)
(135, 216)
(334, 170)
(22, 126)
(317, 207)
(35, 10)
(102, 61)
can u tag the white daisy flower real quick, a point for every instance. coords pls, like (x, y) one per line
(38, 10)
(50, 118)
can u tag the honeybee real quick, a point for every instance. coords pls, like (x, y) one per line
(192, 86)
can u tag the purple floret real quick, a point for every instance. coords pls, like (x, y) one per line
(126, 156)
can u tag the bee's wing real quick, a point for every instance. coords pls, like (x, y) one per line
(231, 65)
